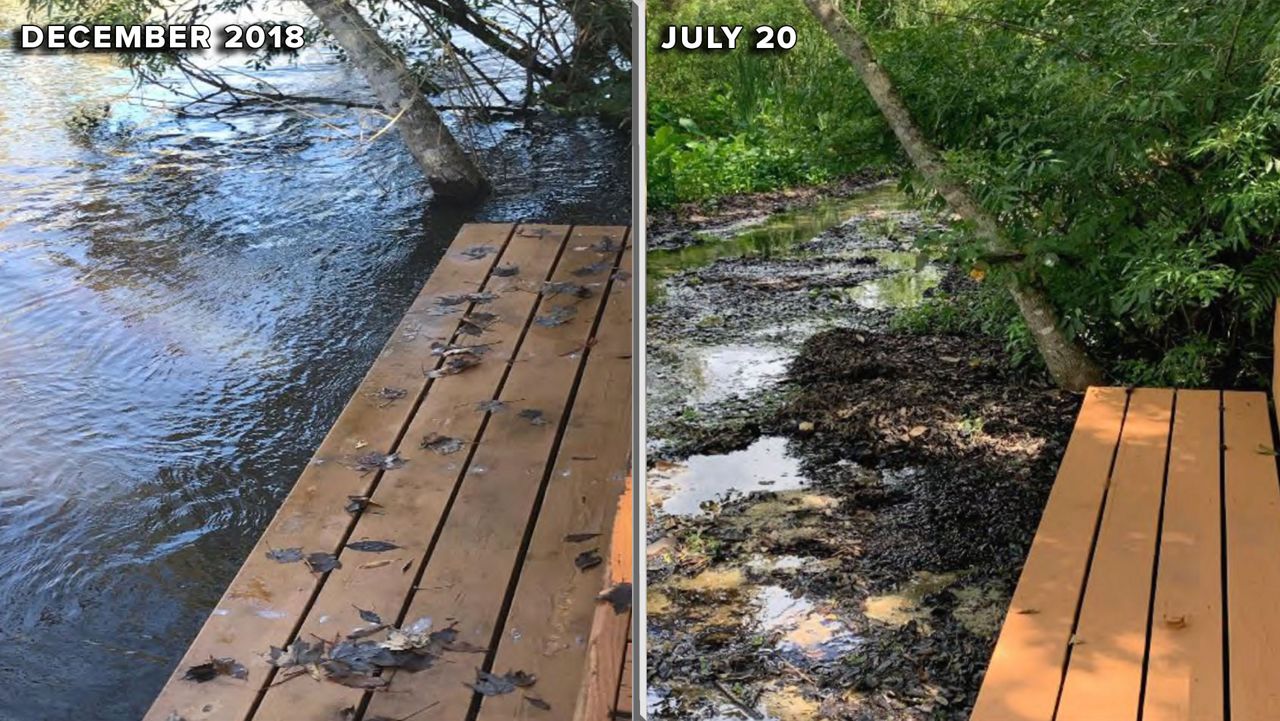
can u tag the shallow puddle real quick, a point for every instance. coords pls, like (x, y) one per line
(808, 631)
(907, 603)
(724, 371)
(777, 236)
(902, 289)
(682, 488)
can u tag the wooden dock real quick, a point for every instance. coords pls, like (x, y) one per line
(442, 554)
(1148, 594)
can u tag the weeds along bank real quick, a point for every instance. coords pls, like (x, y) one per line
(1126, 148)
(722, 123)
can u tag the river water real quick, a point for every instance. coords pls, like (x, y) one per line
(184, 310)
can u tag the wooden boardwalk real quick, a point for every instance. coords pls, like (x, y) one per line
(1149, 592)
(460, 518)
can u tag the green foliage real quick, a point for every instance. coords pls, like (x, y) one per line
(1131, 150)
(722, 123)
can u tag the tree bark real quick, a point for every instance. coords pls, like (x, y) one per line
(452, 175)
(1068, 363)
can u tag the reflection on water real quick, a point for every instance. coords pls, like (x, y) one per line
(682, 488)
(183, 314)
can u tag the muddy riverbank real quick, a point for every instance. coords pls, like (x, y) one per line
(838, 509)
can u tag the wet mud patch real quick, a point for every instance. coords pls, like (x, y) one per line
(689, 223)
(838, 510)
(725, 321)
(926, 463)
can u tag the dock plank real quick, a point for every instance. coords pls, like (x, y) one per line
(623, 705)
(1252, 503)
(1104, 674)
(1025, 674)
(412, 501)
(266, 600)
(468, 579)
(554, 604)
(607, 642)
(1184, 661)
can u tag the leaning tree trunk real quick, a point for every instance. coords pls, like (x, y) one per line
(450, 172)
(1067, 361)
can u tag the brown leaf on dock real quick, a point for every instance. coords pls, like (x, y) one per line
(588, 559)
(476, 252)
(299, 653)
(444, 445)
(377, 564)
(491, 406)
(536, 702)
(390, 395)
(593, 269)
(490, 684)
(558, 316)
(372, 546)
(321, 562)
(576, 290)
(214, 668)
(618, 595)
(285, 555)
(534, 416)
(368, 683)
(455, 364)
(446, 349)
(358, 504)
(374, 461)
(478, 298)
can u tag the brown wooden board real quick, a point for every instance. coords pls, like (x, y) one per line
(1025, 674)
(554, 604)
(623, 705)
(1104, 675)
(266, 600)
(411, 501)
(1184, 660)
(469, 576)
(1252, 502)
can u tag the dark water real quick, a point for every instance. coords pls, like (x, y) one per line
(183, 313)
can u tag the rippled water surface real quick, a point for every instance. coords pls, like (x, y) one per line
(183, 312)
